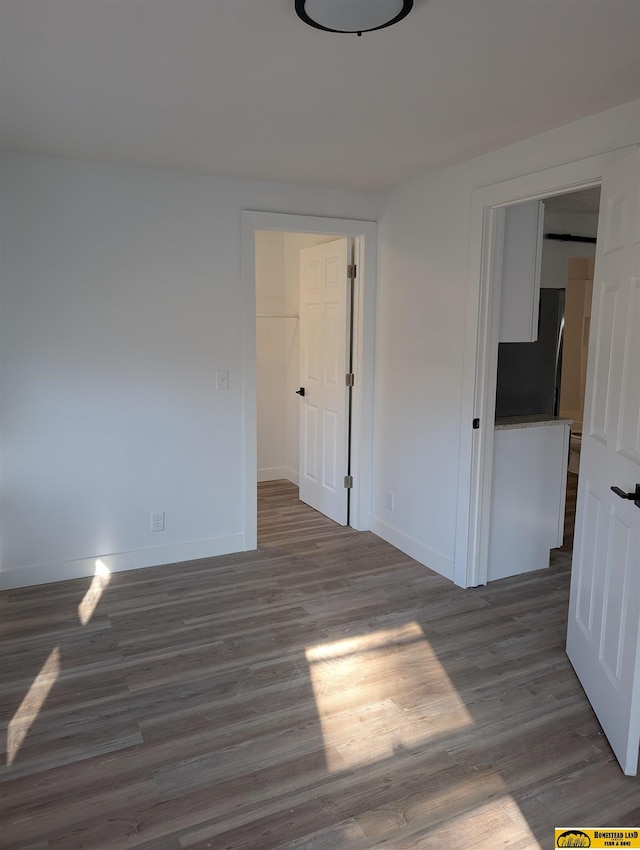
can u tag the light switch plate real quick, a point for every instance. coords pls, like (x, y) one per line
(222, 379)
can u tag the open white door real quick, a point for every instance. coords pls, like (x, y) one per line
(324, 346)
(604, 614)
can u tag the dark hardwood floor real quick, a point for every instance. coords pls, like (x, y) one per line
(323, 692)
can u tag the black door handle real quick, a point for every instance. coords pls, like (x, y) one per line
(300, 391)
(635, 496)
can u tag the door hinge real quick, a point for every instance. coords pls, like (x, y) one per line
(352, 271)
(350, 379)
(348, 482)
(476, 424)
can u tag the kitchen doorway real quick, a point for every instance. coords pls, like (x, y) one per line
(483, 318)
(603, 611)
(546, 374)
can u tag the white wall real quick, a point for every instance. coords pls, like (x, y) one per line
(424, 239)
(121, 296)
(271, 361)
(555, 254)
(270, 292)
(277, 355)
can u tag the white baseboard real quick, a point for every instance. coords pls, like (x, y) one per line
(86, 567)
(277, 473)
(434, 560)
(293, 476)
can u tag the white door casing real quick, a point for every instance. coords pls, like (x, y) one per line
(481, 344)
(604, 614)
(324, 345)
(364, 234)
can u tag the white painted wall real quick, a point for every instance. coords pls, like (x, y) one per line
(555, 254)
(277, 354)
(270, 291)
(271, 360)
(121, 296)
(422, 430)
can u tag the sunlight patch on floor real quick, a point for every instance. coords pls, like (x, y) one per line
(30, 706)
(92, 596)
(452, 807)
(355, 681)
(498, 823)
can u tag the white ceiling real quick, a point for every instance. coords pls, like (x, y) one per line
(243, 88)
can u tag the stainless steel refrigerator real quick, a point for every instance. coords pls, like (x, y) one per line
(529, 372)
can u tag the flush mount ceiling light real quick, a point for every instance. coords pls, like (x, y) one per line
(353, 16)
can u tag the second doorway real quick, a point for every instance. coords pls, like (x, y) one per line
(304, 352)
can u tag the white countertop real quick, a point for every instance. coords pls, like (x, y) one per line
(534, 420)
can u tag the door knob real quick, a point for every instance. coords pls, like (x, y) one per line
(635, 496)
(300, 391)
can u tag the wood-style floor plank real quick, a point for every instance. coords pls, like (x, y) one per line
(324, 691)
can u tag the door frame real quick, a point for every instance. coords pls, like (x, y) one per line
(481, 345)
(364, 327)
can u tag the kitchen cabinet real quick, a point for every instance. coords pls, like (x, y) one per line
(521, 263)
(530, 456)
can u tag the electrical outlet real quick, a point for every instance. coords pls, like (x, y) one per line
(157, 521)
(388, 501)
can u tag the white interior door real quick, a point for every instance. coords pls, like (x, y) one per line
(604, 614)
(324, 345)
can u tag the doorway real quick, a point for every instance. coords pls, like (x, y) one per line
(602, 635)
(541, 379)
(304, 291)
(483, 316)
(364, 233)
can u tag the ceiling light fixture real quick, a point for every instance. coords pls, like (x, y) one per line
(352, 16)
